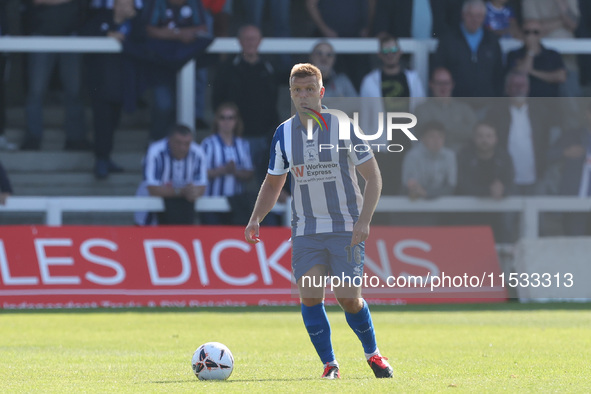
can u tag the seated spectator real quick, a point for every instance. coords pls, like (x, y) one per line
(172, 20)
(501, 19)
(485, 169)
(229, 166)
(53, 18)
(106, 80)
(573, 149)
(347, 19)
(472, 54)
(523, 127)
(175, 168)
(544, 66)
(335, 84)
(249, 81)
(418, 19)
(5, 186)
(457, 117)
(429, 170)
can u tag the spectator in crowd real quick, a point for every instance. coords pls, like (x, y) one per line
(523, 128)
(221, 11)
(106, 80)
(55, 18)
(501, 20)
(172, 20)
(229, 166)
(4, 143)
(336, 84)
(544, 66)
(472, 54)
(249, 81)
(279, 13)
(399, 90)
(5, 187)
(456, 116)
(175, 168)
(573, 149)
(485, 169)
(347, 19)
(558, 19)
(584, 31)
(418, 19)
(429, 170)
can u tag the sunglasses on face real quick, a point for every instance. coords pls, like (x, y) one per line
(531, 32)
(327, 54)
(388, 50)
(229, 117)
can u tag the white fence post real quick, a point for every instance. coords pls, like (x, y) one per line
(185, 95)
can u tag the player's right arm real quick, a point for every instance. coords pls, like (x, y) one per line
(268, 195)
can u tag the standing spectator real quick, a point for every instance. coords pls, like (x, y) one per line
(544, 66)
(573, 149)
(347, 19)
(523, 128)
(558, 19)
(456, 116)
(280, 14)
(501, 19)
(55, 18)
(175, 168)
(336, 84)
(4, 144)
(106, 80)
(399, 90)
(429, 170)
(249, 81)
(5, 187)
(584, 31)
(229, 165)
(472, 55)
(176, 21)
(416, 18)
(485, 169)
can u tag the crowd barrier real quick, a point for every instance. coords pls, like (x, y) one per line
(528, 207)
(418, 49)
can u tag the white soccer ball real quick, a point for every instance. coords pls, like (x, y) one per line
(212, 361)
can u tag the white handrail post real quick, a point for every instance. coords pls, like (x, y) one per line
(529, 219)
(185, 95)
(53, 214)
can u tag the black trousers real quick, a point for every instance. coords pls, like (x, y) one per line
(105, 118)
(177, 210)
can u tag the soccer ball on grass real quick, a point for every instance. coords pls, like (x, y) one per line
(212, 361)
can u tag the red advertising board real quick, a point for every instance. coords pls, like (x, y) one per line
(71, 266)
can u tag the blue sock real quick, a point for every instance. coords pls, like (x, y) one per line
(362, 325)
(318, 327)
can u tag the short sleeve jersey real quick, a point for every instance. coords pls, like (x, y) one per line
(325, 194)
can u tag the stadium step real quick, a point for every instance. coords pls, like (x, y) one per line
(74, 184)
(49, 162)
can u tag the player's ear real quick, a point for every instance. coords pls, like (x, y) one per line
(322, 90)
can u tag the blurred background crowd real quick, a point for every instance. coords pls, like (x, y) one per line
(535, 139)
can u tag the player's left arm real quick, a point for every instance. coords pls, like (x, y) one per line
(370, 171)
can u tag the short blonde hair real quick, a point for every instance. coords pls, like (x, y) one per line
(303, 70)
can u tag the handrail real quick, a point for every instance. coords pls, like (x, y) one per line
(529, 207)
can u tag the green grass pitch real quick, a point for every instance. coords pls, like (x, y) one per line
(470, 348)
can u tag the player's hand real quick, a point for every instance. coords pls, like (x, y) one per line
(360, 232)
(251, 233)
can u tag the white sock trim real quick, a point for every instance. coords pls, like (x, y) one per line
(333, 363)
(370, 355)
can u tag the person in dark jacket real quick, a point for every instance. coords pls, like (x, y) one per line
(573, 149)
(485, 169)
(106, 75)
(472, 55)
(5, 186)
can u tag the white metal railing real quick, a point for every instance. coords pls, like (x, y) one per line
(528, 207)
(419, 49)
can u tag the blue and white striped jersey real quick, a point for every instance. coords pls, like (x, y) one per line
(325, 192)
(161, 168)
(219, 154)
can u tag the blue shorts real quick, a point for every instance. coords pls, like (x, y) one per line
(332, 250)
